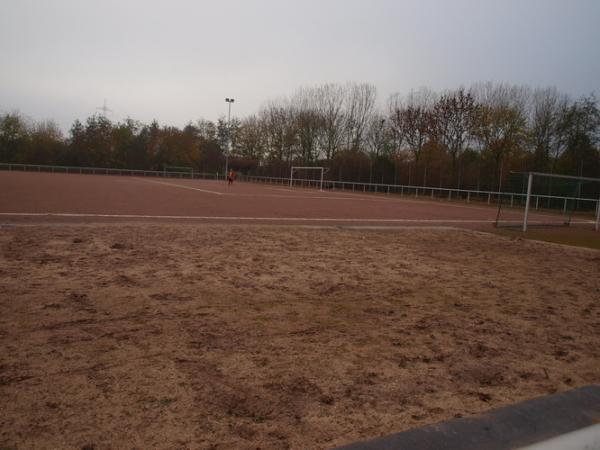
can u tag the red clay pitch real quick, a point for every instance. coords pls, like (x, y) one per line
(44, 197)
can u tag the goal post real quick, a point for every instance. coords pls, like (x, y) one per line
(545, 199)
(320, 172)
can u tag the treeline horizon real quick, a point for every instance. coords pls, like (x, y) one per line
(466, 138)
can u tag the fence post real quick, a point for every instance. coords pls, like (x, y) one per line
(449, 195)
(527, 201)
(512, 197)
(565, 206)
(469, 197)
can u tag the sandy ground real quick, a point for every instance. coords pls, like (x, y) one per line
(222, 336)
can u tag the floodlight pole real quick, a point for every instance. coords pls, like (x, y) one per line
(529, 184)
(229, 102)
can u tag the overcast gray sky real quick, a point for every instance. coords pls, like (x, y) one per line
(177, 60)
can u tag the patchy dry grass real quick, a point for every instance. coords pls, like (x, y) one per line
(576, 236)
(215, 336)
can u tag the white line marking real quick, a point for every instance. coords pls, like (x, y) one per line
(337, 195)
(288, 219)
(348, 196)
(414, 201)
(270, 219)
(304, 197)
(281, 189)
(394, 197)
(184, 187)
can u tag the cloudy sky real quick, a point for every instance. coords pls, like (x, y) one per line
(177, 60)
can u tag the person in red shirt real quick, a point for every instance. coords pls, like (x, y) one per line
(230, 177)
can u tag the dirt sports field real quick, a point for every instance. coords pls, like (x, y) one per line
(175, 314)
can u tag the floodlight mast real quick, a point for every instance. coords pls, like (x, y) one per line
(229, 102)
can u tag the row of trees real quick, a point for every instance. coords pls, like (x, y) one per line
(466, 138)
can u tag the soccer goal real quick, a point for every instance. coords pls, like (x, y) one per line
(178, 171)
(307, 176)
(545, 199)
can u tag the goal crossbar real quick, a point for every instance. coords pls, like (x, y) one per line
(554, 175)
(180, 169)
(321, 169)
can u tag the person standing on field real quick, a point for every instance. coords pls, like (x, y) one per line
(230, 177)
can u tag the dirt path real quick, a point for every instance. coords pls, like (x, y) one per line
(214, 336)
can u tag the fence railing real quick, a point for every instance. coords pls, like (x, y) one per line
(108, 171)
(511, 199)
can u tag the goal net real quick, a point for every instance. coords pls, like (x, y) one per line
(307, 176)
(178, 171)
(544, 199)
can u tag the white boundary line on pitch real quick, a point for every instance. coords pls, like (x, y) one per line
(381, 197)
(300, 197)
(362, 198)
(183, 187)
(346, 196)
(270, 219)
(338, 195)
(303, 197)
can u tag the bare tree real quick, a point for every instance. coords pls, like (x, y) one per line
(207, 130)
(395, 108)
(548, 107)
(501, 95)
(378, 135)
(309, 124)
(227, 132)
(580, 132)
(360, 104)
(279, 128)
(453, 123)
(415, 120)
(501, 120)
(250, 139)
(330, 106)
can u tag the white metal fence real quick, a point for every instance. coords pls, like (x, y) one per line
(107, 171)
(468, 195)
(424, 192)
